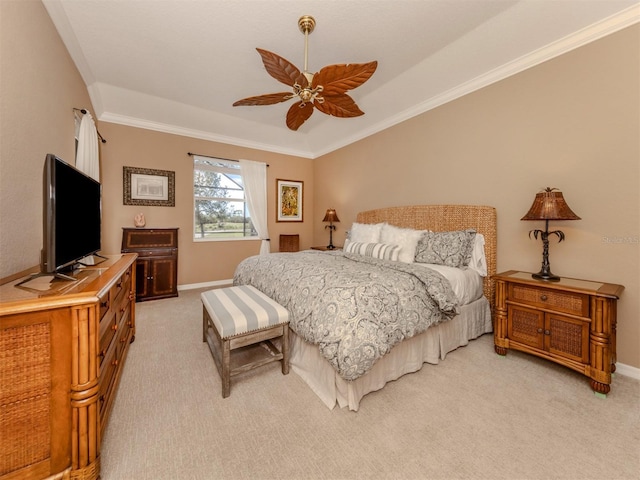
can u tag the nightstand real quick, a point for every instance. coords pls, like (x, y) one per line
(571, 322)
(325, 249)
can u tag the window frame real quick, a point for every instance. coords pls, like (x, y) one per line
(225, 166)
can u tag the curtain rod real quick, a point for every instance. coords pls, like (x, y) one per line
(216, 158)
(84, 111)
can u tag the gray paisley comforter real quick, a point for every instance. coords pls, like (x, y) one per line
(355, 308)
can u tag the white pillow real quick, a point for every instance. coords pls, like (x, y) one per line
(375, 250)
(365, 233)
(478, 260)
(466, 283)
(406, 238)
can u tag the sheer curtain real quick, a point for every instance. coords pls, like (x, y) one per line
(254, 175)
(87, 159)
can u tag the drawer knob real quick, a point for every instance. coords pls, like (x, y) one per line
(114, 327)
(547, 332)
(543, 298)
(539, 330)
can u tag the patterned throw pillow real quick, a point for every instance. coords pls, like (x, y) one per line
(452, 249)
(376, 250)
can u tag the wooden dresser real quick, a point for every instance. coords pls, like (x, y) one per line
(63, 346)
(571, 322)
(157, 263)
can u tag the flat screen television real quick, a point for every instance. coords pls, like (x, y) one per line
(72, 216)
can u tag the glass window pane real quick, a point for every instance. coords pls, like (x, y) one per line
(220, 211)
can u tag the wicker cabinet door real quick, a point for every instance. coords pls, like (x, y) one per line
(526, 325)
(567, 337)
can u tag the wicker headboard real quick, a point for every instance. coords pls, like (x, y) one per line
(445, 218)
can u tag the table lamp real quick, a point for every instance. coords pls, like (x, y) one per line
(330, 217)
(548, 205)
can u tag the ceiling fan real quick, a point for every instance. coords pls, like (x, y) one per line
(324, 90)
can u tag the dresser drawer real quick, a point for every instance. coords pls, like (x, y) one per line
(546, 298)
(108, 329)
(107, 377)
(104, 304)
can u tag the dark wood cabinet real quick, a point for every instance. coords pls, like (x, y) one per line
(157, 263)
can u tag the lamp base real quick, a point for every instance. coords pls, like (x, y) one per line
(331, 247)
(547, 276)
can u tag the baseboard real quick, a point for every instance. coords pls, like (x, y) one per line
(621, 368)
(628, 371)
(216, 283)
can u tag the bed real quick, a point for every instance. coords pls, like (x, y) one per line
(352, 331)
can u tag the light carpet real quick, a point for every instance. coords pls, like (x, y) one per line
(476, 415)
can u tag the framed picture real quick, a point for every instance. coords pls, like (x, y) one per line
(146, 187)
(289, 201)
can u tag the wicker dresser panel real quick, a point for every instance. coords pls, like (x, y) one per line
(567, 302)
(25, 396)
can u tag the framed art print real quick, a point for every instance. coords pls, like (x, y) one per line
(143, 186)
(290, 200)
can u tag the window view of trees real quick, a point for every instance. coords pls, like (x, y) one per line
(220, 211)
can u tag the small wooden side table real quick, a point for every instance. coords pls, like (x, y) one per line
(571, 322)
(157, 263)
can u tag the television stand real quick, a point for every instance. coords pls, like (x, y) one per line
(65, 355)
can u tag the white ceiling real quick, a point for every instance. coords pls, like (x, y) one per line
(178, 65)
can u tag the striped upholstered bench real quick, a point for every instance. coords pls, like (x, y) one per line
(241, 316)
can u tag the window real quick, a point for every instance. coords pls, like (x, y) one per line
(220, 211)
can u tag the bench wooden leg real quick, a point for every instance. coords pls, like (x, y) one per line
(285, 349)
(226, 368)
(205, 316)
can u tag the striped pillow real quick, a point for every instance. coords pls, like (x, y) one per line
(382, 251)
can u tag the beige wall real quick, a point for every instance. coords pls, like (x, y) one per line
(571, 123)
(198, 262)
(39, 87)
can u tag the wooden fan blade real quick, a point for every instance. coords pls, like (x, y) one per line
(298, 114)
(338, 79)
(282, 69)
(268, 99)
(339, 106)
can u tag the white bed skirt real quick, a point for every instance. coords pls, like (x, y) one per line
(406, 357)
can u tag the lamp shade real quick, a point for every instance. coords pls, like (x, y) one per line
(550, 205)
(331, 216)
